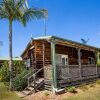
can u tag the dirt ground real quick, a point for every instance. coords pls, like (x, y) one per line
(82, 93)
(42, 96)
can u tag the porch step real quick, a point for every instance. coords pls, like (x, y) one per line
(48, 85)
(32, 85)
(30, 89)
(21, 94)
(26, 92)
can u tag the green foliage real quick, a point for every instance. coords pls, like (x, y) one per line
(46, 93)
(98, 81)
(18, 67)
(19, 82)
(4, 72)
(16, 10)
(71, 89)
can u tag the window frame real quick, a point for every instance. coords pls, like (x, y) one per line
(61, 57)
(92, 60)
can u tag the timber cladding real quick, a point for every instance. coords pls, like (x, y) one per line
(73, 54)
(42, 55)
(39, 53)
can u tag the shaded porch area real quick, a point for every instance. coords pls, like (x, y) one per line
(73, 63)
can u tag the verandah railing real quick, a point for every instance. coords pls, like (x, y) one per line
(73, 72)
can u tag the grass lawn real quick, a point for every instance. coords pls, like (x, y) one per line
(7, 95)
(91, 93)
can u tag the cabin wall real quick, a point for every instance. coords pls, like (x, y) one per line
(73, 54)
(36, 56)
(46, 60)
(39, 53)
(85, 55)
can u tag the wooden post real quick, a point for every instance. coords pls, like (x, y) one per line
(96, 63)
(43, 47)
(43, 54)
(54, 71)
(35, 58)
(34, 80)
(79, 63)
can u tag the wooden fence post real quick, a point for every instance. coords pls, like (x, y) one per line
(96, 63)
(53, 59)
(43, 47)
(79, 63)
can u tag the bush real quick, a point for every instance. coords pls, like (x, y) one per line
(18, 67)
(71, 89)
(4, 72)
(19, 82)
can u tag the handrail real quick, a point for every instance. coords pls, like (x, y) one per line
(89, 65)
(35, 73)
(34, 76)
(38, 71)
(77, 65)
(29, 74)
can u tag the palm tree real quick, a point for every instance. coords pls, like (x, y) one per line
(17, 10)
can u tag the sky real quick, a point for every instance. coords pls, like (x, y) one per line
(69, 19)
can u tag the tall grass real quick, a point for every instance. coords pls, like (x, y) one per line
(5, 94)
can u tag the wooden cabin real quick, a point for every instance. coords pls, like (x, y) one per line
(61, 62)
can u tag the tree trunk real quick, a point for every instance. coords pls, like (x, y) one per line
(10, 55)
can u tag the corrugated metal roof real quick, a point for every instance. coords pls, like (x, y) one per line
(59, 39)
(15, 58)
(63, 39)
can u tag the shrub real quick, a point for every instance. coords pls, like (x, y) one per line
(98, 81)
(46, 93)
(71, 89)
(4, 72)
(18, 67)
(19, 82)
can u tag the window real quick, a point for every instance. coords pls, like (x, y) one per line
(91, 60)
(27, 63)
(62, 59)
(58, 59)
